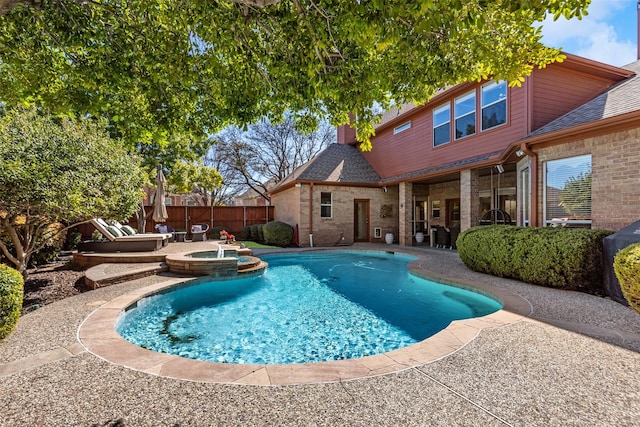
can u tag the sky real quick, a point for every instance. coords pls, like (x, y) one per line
(607, 34)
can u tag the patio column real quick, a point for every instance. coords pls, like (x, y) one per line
(469, 199)
(405, 237)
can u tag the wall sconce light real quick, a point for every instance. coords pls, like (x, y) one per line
(500, 168)
(298, 185)
(384, 188)
(519, 153)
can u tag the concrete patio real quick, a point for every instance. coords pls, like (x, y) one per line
(574, 361)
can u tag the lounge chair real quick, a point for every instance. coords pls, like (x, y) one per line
(118, 242)
(199, 232)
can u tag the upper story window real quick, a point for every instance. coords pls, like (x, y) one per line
(465, 115)
(494, 104)
(441, 125)
(325, 205)
(402, 127)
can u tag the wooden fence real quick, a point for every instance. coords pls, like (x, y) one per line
(181, 218)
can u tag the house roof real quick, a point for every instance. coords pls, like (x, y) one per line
(337, 163)
(619, 99)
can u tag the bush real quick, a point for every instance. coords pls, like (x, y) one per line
(51, 248)
(11, 287)
(245, 233)
(73, 238)
(557, 257)
(215, 231)
(257, 234)
(277, 233)
(626, 264)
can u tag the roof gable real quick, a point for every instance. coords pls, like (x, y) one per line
(621, 98)
(336, 163)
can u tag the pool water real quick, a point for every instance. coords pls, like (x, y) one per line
(214, 254)
(307, 307)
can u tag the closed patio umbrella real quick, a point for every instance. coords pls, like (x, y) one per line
(159, 208)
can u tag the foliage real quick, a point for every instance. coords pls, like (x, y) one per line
(198, 178)
(159, 67)
(266, 153)
(215, 231)
(627, 267)
(73, 238)
(59, 171)
(50, 243)
(277, 233)
(575, 197)
(245, 233)
(557, 257)
(11, 285)
(257, 234)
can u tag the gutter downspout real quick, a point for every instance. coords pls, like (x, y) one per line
(311, 214)
(533, 164)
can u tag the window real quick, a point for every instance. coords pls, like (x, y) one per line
(325, 205)
(402, 127)
(465, 115)
(494, 104)
(567, 192)
(435, 209)
(441, 125)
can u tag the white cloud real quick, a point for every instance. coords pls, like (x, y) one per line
(594, 36)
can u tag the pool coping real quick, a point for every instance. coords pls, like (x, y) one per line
(97, 334)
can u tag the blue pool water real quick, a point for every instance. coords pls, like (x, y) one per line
(307, 307)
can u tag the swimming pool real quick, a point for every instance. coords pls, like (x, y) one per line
(307, 307)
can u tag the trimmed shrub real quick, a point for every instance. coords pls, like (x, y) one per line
(245, 233)
(626, 264)
(277, 233)
(557, 257)
(215, 231)
(254, 233)
(257, 234)
(11, 288)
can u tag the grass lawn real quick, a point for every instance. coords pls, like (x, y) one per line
(253, 245)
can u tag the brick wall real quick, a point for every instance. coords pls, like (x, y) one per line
(328, 231)
(615, 162)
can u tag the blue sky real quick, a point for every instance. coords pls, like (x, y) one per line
(608, 34)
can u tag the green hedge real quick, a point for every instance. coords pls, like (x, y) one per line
(627, 267)
(215, 231)
(11, 288)
(557, 257)
(277, 233)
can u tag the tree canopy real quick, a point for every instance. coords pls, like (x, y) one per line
(59, 171)
(157, 67)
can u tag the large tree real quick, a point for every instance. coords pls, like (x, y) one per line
(154, 67)
(54, 171)
(266, 153)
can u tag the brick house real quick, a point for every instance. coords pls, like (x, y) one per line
(563, 149)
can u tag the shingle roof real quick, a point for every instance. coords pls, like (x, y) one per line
(336, 163)
(455, 165)
(621, 98)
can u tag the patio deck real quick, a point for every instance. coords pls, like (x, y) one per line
(573, 361)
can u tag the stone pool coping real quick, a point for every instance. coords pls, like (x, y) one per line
(97, 334)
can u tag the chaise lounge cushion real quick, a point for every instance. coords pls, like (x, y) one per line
(157, 240)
